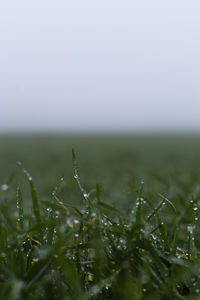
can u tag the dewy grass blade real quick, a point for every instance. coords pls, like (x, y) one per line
(35, 202)
(160, 205)
(20, 208)
(60, 181)
(169, 202)
(77, 178)
(98, 193)
(55, 191)
(155, 211)
(60, 202)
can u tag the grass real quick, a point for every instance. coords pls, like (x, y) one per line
(121, 223)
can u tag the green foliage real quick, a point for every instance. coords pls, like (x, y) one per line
(57, 248)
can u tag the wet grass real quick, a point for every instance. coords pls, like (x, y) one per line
(121, 223)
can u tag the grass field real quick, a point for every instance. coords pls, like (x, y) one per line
(118, 218)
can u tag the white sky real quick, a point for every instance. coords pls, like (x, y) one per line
(99, 64)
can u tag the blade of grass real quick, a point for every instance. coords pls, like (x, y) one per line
(34, 197)
(77, 178)
(169, 202)
(20, 208)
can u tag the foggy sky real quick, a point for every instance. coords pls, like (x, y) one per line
(99, 64)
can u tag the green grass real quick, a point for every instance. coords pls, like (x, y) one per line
(116, 219)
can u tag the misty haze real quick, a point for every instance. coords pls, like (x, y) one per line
(85, 65)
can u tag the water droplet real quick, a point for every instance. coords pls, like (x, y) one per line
(4, 187)
(35, 259)
(85, 195)
(107, 286)
(195, 208)
(154, 237)
(190, 228)
(122, 241)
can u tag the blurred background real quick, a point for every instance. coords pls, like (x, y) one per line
(99, 65)
(116, 80)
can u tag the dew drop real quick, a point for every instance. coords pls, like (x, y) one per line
(107, 286)
(4, 187)
(190, 228)
(35, 259)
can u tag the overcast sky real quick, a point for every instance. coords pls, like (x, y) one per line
(99, 64)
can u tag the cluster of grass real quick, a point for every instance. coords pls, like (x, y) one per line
(57, 250)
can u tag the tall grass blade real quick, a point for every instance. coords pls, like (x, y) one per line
(20, 208)
(34, 197)
(77, 178)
